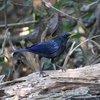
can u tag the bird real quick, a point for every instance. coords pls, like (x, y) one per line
(49, 49)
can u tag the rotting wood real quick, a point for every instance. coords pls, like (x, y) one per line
(57, 85)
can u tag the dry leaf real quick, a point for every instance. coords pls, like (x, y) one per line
(38, 3)
(55, 24)
(35, 36)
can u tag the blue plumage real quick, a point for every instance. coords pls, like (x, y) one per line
(49, 49)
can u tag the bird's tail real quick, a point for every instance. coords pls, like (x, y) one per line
(20, 50)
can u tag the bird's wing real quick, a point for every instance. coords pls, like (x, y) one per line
(45, 47)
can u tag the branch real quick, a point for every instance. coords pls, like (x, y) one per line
(2, 44)
(14, 40)
(84, 42)
(68, 55)
(59, 10)
(18, 24)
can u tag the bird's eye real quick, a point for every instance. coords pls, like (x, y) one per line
(65, 36)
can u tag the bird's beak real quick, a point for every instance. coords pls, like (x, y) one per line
(71, 35)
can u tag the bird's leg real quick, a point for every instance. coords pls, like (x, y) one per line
(54, 66)
(63, 69)
(41, 66)
(52, 61)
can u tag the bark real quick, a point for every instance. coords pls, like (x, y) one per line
(81, 83)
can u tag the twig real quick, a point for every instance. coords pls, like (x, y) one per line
(66, 15)
(59, 10)
(81, 30)
(84, 42)
(71, 51)
(5, 14)
(9, 40)
(4, 42)
(14, 39)
(96, 58)
(97, 44)
(5, 38)
(44, 33)
(68, 55)
(18, 24)
(6, 34)
(23, 5)
(87, 7)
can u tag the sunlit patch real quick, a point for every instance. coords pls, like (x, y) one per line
(25, 31)
(24, 69)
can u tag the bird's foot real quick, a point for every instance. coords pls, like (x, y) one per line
(62, 68)
(42, 74)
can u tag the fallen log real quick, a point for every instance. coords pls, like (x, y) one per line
(81, 83)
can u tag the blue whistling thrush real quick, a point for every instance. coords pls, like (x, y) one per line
(49, 49)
